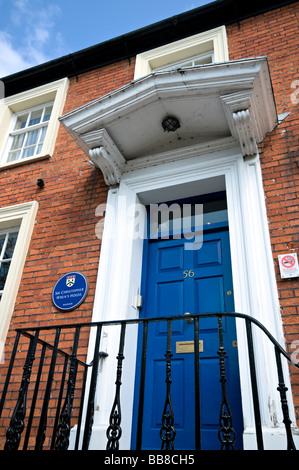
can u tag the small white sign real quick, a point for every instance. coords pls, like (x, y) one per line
(288, 265)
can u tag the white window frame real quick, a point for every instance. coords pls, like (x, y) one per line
(213, 40)
(22, 216)
(27, 129)
(11, 106)
(7, 233)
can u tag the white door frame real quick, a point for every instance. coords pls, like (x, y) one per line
(255, 291)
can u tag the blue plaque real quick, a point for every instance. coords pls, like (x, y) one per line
(70, 291)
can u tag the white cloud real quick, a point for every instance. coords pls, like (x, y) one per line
(11, 60)
(32, 38)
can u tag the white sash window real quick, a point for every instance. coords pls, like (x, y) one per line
(200, 59)
(201, 49)
(29, 131)
(8, 241)
(29, 123)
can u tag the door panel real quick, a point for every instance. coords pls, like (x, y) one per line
(209, 294)
(210, 253)
(170, 258)
(179, 281)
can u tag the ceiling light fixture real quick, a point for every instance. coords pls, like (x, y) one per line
(170, 124)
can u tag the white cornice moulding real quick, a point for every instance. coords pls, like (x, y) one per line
(200, 80)
(175, 155)
(110, 129)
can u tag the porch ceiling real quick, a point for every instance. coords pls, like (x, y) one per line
(140, 133)
(232, 99)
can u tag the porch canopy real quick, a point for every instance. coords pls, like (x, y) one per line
(213, 104)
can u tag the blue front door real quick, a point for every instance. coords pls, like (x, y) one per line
(195, 281)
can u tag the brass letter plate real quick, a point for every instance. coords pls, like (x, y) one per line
(183, 347)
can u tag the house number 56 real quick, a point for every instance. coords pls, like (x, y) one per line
(188, 273)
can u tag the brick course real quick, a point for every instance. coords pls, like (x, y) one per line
(64, 234)
(63, 238)
(275, 34)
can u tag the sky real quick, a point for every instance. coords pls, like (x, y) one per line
(35, 31)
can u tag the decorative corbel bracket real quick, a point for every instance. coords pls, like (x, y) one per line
(238, 111)
(246, 137)
(111, 172)
(105, 155)
(251, 113)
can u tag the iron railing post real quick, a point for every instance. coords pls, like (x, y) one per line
(254, 389)
(8, 375)
(34, 398)
(114, 430)
(14, 432)
(80, 416)
(92, 390)
(167, 431)
(60, 397)
(43, 419)
(64, 426)
(226, 433)
(142, 386)
(284, 402)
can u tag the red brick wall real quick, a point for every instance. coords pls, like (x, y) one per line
(275, 35)
(63, 238)
(64, 234)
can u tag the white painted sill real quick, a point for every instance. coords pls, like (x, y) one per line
(25, 161)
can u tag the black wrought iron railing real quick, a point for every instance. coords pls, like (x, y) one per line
(49, 387)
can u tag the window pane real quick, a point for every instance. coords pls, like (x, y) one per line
(43, 134)
(32, 137)
(47, 114)
(174, 218)
(201, 59)
(11, 243)
(12, 156)
(8, 241)
(35, 117)
(3, 273)
(2, 240)
(17, 141)
(28, 152)
(21, 121)
(207, 60)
